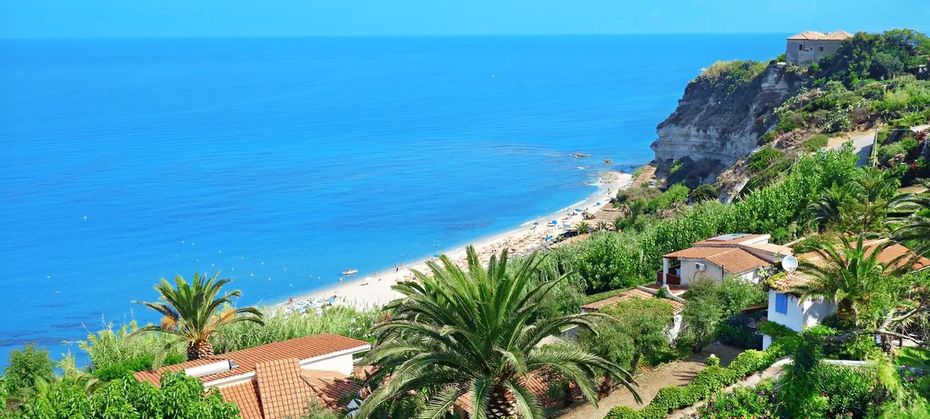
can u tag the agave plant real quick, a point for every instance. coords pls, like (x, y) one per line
(583, 227)
(192, 312)
(475, 334)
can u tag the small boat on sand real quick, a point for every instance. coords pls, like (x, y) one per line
(349, 272)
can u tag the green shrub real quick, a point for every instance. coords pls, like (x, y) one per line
(113, 353)
(623, 412)
(763, 158)
(25, 367)
(816, 143)
(178, 397)
(743, 402)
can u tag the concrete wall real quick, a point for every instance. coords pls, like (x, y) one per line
(807, 52)
(800, 315)
(690, 273)
(340, 363)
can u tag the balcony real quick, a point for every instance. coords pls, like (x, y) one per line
(671, 279)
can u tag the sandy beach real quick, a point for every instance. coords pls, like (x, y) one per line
(375, 290)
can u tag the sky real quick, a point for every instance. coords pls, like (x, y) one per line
(258, 18)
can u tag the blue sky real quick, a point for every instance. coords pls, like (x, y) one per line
(246, 18)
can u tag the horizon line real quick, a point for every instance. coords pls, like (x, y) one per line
(477, 35)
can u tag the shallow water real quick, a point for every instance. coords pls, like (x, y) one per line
(282, 162)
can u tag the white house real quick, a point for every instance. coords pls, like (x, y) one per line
(786, 308)
(739, 255)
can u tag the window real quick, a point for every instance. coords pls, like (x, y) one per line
(800, 47)
(781, 303)
(821, 49)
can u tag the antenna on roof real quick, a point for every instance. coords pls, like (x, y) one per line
(789, 263)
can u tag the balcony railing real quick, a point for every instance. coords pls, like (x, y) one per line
(670, 278)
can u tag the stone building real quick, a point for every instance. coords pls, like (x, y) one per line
(807, 48)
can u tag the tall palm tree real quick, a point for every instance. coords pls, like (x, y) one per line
(477, 332)
(851, 274)
(192, 312)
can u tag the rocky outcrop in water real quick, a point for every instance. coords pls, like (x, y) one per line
(721, 119)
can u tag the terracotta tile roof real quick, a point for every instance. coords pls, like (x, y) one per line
(677, 306)
(819, 36)
(789, 281)
(737, 261)
(281, 388)
(731, 240)
(300, 348)
(245, 396)
(330, 387)
(770, 248)
(698, 252)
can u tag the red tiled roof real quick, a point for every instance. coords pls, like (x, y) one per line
(698, 252)
(730, 240)
(330, 387)
(300, 348)
(677, 306)
(738, 261)
(245, 396)
(281, 389)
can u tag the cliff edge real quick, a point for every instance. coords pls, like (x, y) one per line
(721, 118)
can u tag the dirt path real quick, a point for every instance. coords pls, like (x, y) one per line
(678, 373)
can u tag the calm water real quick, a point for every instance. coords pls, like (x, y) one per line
(282, 162)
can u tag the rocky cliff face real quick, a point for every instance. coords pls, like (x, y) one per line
(718, 121)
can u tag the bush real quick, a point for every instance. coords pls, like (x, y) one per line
(113, 353)
(623, 412)
(816, 143)
(763, 158)
(744, 402)
(179, 396)
(25, 368)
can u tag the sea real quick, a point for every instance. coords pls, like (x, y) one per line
(282, 162)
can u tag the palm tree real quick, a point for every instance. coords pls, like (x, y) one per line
(828, 209)
(912, 219)
(477, 332)
(192, 312)
(851, 275)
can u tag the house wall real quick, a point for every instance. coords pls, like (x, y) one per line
(751, 276)
(799, 316)
(811, 50)
(690, 273)
(341, 363)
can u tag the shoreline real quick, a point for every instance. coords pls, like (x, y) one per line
(374, 290)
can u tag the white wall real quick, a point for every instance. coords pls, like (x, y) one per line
(690, 273)
(800, 315)
(340, 363)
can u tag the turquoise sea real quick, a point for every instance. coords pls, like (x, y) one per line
(282, 162)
